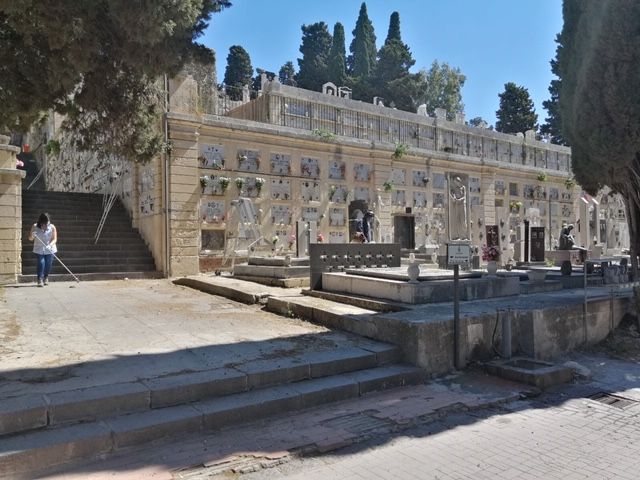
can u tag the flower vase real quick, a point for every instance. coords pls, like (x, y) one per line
(492, 268)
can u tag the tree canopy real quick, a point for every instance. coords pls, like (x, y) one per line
(287, 74)
(599, 68)
(516, 113)
(362, 60)
(97, 64)
(552, 126)
(442, 89)
(238, 73)
(337, 63)
(313, 67)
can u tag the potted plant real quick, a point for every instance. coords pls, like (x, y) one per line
(491, 255)
(387, 186)
(240, 183)
(542, 177)
(569, 183)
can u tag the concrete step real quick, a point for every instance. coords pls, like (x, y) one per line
(91, 277)
(295, 282)
(92, 268)
(25, 453)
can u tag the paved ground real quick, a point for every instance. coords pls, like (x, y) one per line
(562, 434)
(97, 333)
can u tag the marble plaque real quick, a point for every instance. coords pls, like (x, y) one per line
(398, 176)
(309, 167)
(280, 164)
(338, 193)
(419, 199)
(281, 214)
(438, 200)
(420, 178)
(337, 217)
(211, 156)
(212, 239)
(212, 211)
(362, 172)
(337, 170)
(280, 189)
(513, 189)
(500, 188)
(310, 214)
(215, 185)
(250, 189)
(249, 160)
(310, 191)
(475, 201)
(361, 193)
(337, 237)
(474, 185)
(398, 197)
(438, 180)
(528, 191)
(554, 194)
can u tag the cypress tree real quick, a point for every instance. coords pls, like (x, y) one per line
(394, 28)
(287, 74)
(362, 60)
(315, 48)
(337, 57)
(238, 73)
(394, 59)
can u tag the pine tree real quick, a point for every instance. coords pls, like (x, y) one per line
(362, 61)
(516, 113)
(337, 57)
(316, 45)
(287, 74)
(238, 73)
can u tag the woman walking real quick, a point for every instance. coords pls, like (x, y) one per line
(44, 235)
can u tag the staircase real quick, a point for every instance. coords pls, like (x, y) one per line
(119, 253)
(41, 431)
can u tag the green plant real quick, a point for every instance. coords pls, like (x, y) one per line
(52, 147)
(259, 183)
(324, 135)
(387, 186)
(204, 181)
(400, 150)
(240, 182)
(569, 183)
(515, 205)
(542, 177)
(549, 263)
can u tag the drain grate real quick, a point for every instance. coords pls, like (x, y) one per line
(612, 400)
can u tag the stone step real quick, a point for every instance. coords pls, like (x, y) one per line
(92, 268)
(270, 271)
(25, 453)
(122, 258)
(91, 277)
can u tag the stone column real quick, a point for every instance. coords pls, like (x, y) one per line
(10, 213)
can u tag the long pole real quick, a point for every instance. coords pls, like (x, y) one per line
(456, 316)
(56, 257)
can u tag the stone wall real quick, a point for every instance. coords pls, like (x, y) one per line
(10, 213)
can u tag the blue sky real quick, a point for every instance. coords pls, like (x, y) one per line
(491, 41)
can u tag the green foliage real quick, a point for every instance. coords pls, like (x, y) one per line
(52, 148)
(324, 135)
(387, 186)
(553, 123)
(400, 150)
(97, 64)
(316, 45)
(362, 61)
(569, 183)
(394, 62)
(238, 73)
(337, 66)
(240, 183)
(441, 87)
(287, 74)
(516, 113)
(479, 122)
(542, 177)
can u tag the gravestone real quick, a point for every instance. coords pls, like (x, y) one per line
(493, 236)
(537, 244)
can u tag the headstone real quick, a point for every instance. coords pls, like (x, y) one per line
(422, 110)
(344, 92)
(537, 244)
(330, 88)
(378, 101)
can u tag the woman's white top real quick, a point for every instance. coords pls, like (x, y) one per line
(45, 236)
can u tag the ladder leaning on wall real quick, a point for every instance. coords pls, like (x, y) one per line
(244, 233)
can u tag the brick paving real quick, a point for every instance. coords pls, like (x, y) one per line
(562, 434)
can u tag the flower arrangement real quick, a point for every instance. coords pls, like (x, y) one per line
(387, 186)
(292, 241)
(259, 184)
(240, 183)
(515, 205)
(490, 254)
(569, 183)
(400, 150)
(320, 238)
(224, 183)
(242, 158)
(204, 181)
(542, 177)
(274, 240)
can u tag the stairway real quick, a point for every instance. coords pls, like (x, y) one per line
(41, 431)
(119, 253)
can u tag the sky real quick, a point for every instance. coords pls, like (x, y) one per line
(491, 41)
